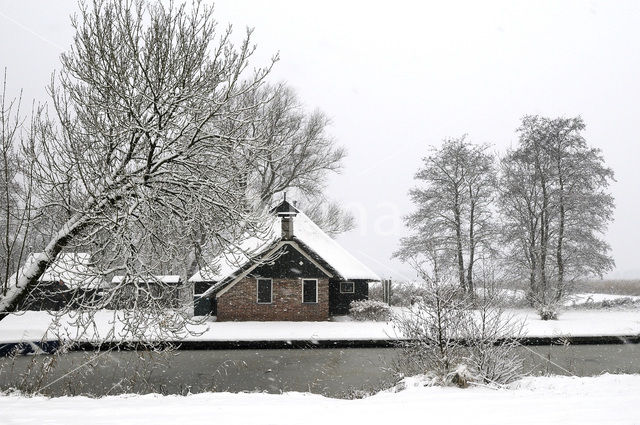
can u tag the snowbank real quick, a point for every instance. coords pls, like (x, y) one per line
(549, 400)
(33, 325)
(582, 323)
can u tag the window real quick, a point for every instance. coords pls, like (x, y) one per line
(265, 292)
(309, 291)
(347, 288)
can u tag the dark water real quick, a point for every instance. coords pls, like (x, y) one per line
(333, 372)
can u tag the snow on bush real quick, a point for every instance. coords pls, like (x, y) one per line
(592, 302)
(369, 310)
(461, 376)
(403, 294)
(548, 312)
(459, 339)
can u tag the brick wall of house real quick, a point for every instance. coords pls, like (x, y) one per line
(240, 302)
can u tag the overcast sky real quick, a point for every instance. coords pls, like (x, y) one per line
(397, 77)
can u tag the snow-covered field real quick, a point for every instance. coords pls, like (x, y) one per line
(584, 299)
(606, 399)
(33, 325)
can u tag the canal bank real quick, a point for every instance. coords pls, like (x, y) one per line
(34, 331)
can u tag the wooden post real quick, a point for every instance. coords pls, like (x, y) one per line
(386, 291)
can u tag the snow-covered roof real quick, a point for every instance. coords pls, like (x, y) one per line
(227, 263)
(348, 266)
(156, 278)
(304, 231)
(74, 269)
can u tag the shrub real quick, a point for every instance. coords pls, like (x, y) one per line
(403, 294)
(458, 340)
(369, 310)
(548, 312)
(609, 304)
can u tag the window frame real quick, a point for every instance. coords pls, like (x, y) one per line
(353, 287)
(302, 280)
(258, 290)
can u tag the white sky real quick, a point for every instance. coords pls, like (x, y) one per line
(396, 77)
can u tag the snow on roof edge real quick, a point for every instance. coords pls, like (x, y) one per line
(312, 238)
(155, 278)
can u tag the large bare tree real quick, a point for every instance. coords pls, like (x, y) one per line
(453, 215)
(302, 155)
(556, 206)
(146, 128)
(298, 156)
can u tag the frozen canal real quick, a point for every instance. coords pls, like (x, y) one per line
(334, 372)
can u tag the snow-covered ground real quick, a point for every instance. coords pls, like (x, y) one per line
(582, 323)
(582, 299)
(605, 399)
(33, 325)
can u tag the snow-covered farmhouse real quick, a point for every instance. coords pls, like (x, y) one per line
(298, 272)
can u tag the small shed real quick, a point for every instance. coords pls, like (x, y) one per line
(72, 277)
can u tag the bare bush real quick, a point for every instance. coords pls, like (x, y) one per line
(403, 294)
(491, 340)
(456, 339)
(432, 328)
(616, 303)
(369, 310)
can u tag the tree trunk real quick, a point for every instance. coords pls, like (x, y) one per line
(195, 255)
(544, 226)
(559, 257)
(533, 285)
(29, 274)
(459, 244)
(472, 248)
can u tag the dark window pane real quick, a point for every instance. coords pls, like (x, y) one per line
(346, 287)
(201, 287)
(309, 291)
(264, 291)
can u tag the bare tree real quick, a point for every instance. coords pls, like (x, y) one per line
(432, 328)
(16, 214)
(585, 206)
(556, 205)
(299, 156)
(302, 155)
(329, 215)
(147, 126)
(297, 136)
(520, 205)
(454, 207)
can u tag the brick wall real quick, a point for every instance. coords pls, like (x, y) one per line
(240, 302)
